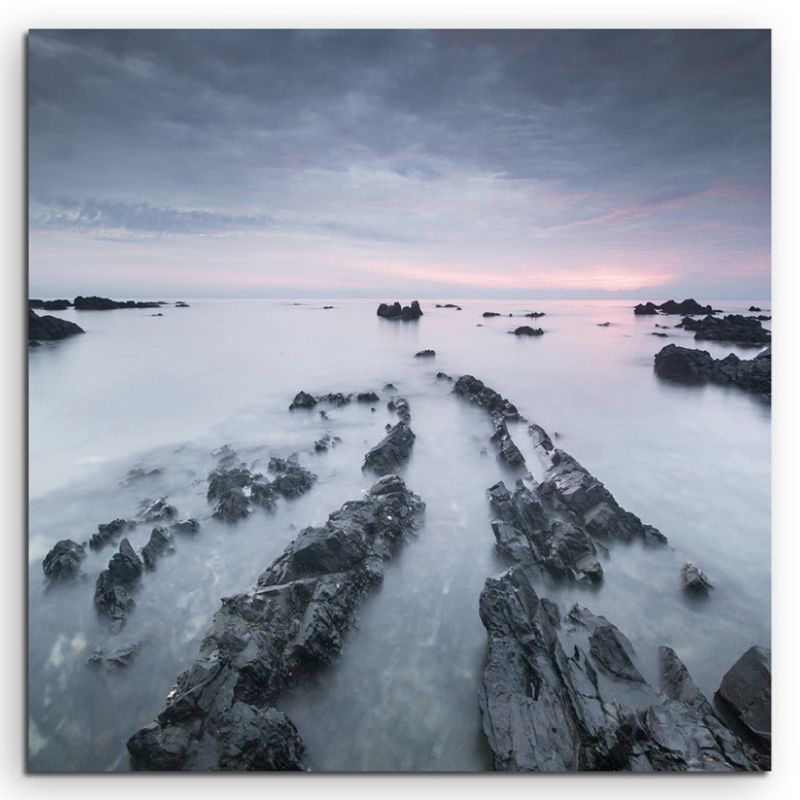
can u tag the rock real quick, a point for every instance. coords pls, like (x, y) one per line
(336, 399)
(221, 715)
(327, 308)
(694, 580)
(400, 406)
(157, 315)
(658, 333)
(95, 303)
(534, 314)
(564, 695)
(60, 305)
(540, 438)
(232, 505)
(746, 693)
(389, 387)
(534, 528)
(425, 354)
(507, 451)
(115, 585)
(49, 328)
(63, 562)
(137, 474)
(395, 311)
(603, 324)
(367, 397)
(110, 532)
(475, 391)
(755, 308)
(645, 308)
(159, 544)
(449, 305)
(225, 455)
(116, 659)
(302, 400)
(689, 306)
(488, 314)
(181, 304)
(686, 365)
(526, 330)
(186, 527)
(292, 480)
(157, 510)
(443, 376)
(326, 443)
(732, 328)
(34, 343)
(392, 451)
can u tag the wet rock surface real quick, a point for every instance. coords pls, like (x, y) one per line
(695, 580)
(396, 311)
(157, 510)
(186, 527)
(732, 328)
(691, 366)
(221, 715)
(49, 328)
(110, 533)
(507, 450)
(563, 694)
(113, 596)
(475, 391)
(63, 562)
(325, 443)
(303, 400)
(291, 480)
(392, 451)
(159, 544)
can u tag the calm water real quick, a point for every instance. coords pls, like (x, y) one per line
(164, 392)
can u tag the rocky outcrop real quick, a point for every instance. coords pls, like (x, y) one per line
(63, 562)
(303, 400)
(113, 596)
(221, 714)
(110, 532)
(475, 391)
(687, 365)
(526, 330)
(732, 328)
(690, 306)
(745, 695)
(425, 354)
(695, 580)
(400, 407)
(186, 527)
(643, 309)
(396, 311)
(48, 329)
(489, 314)
(449, 305)
(337, 399)
(291, 480)
(157, 510)
(563, 694)
(392, 451)
(507, 450)
(367, 397)
(55, 305)
(113, 660)
(159, 544)
(534, 314)
(181, 304)
(95, 303)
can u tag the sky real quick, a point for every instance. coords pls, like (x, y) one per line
(399, 164)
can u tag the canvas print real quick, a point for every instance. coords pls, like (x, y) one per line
(399, 401)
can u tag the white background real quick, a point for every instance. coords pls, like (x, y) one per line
(17, 18)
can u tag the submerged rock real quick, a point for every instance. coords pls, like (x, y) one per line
(49, 328)
(695, 580)
(425, 354)
(687, 365)
(392, 451)
(401, 407)
(302, 400)
(396, 311)
(113, 596)
(475, 391)
(443, 376)
(63, 562)
(603, 324)
(221, 715)
(110, 532)
(564, 695)
(526, 330)
(732, 328)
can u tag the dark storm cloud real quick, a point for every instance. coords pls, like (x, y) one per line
(201, 131)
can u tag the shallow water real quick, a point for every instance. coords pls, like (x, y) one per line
(164, 392)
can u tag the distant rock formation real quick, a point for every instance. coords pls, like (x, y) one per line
(49, 328)
(396, 311)
(732, 328)
(690, 306)
(94, 303)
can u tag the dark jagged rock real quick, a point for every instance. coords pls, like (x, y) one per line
(95, 303)
(534, 314)
(695, 580)
(116, 659)
(326, 443)
(302, 400)
(540, 438)
(115, 585)
(159, 544)
(534, 528)
(477, 392)
(291, 479)
(220, 715)
(745, 693)
(401, 407)
(224, 478)
(232, 505)
(755, 308)
(157, 510)
(181, 304)
(60, 305)
(425, 354)
(551, 701)
(687, 365)
(396, 311)
(138, 474)
(443, 376)
(110, 533)
(763, 318)
(526, 330)
(393, 450)
(507, 451)
(226, 487)
(488, 314)
(367, 397)
(449, 305)
(49, 328)
(690, 306)
(186, 527)
(645, 308)
(592, 503)
(63, 562)
(336, 399)
(732, 328)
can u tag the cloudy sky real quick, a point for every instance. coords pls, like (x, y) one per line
(407, 163)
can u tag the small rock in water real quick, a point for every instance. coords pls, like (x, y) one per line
(302, 400)
(63, 562)
(425, 354)
(526, 330)
(603, 324)
(367, 397)
(694, 580)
